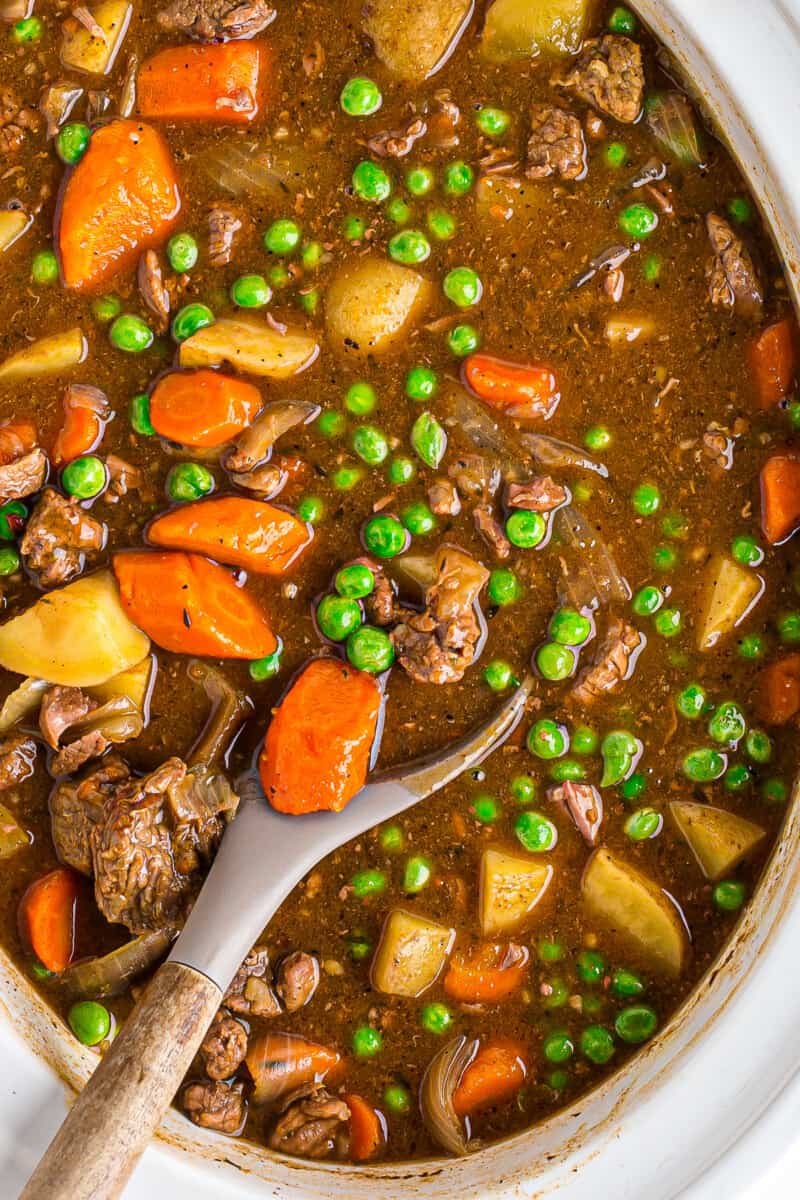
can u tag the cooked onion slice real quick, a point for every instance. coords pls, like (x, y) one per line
(436, 1094)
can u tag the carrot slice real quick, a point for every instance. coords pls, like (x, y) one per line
(317, 749)
(520, 390)
(367, 1128)
(281, 1062)
(86, 412)
(189, 605)
(121, 198)
(772, 358)
(488, 975)
(222, 83)
(203, 408)
(46, 917)
(16, 438)
(495, 1075)
(778, 698)
(244, 533)
(780, 497)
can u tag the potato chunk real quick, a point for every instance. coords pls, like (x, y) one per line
(78, 635)
(83, 51)
(47, 356)
(637, 909)
(527, 28)
(410, 954)
(718, 839)
(250, 346)
(13, 223)
(415, 37)
(510, 889)
(12, 836)
(371, 303)
(730, 591)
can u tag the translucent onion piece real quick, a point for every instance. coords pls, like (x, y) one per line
(470, 415)
(674, 125)
(589, 573)
(436, 1094)
(245, 169)
(112, 974)
(253, 445)
(552, 453)
(22, 702)
(12, 836)
(229, 708)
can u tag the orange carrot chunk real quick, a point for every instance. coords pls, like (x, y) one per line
(244, 533)
(772, 358)
(778, 698)
(203, 408)
(189, 605)
(16, 438)
(780, 497)
(521, 391)
(85, 414)
(317, 749)
(489, 974)
(367, 1128)
(281, 1062)
(120, 199)
(46, 917)
(495, 1075)
(220, 83)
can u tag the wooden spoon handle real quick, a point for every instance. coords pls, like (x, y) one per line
(113, 1119)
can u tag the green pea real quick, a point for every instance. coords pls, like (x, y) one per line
(616, 155)
(311, 509)
(429, 439)
(354, 581)
(399, 213)
(558, 994)
(105, 308)
(523, 789)
(585, 740)
(597, 438)
(526, 529)
(638, 221)
(366, 1042)
(265, 668)
(90, 1022)
(282, 237)
(774, 791)
(668, 622)
(622, 21)
(308, 299)
(740, 210)
(9, 561)
(311, 255)
(189, 319)
(401, 470)
(370, 445)
(13, 516)
(503, 587)
(189, 481)
(353, 228)
(417, 875)
(727, 725)
(788, 626)
(371, 183)
(279, 276)
(360, 399)
(331, 423)
(436, 1018)
(647, 601)
(652, 268)
(370, 649)
(44, 268)
(704, 765)
(418, 519)
(675, 525)
(458, 178)
(535, 832)
(665, 557)
(549, 950)
(737, 777)
(463, 340)
(384, 536)
(397, 1099)
(569, 627)
(626, 983)
(251, 291)
(621, 751)
(555, 662)
(391, 839)
(758, 746)
(597, 1044)
(486, 809)
(691, 702)
(419, 180)
(84, 477)
(360, 97)
(566, 769)
(182, 252)
(558, 1047)
(547, 739)
(636, 1024)
(368, 883)
(499, 675)
(130, 334)
(421, 383)
(441, 224)
(28, 29)
(139, 415)
(359, 949)
(72, 142)
(729, 895)
(338, 616)
(558, 1080)
(633, 787)
(752, 645)
(409, 247)
(643, 824)
(746, 550)
(646, 499)
(590, 966)
(462, 286)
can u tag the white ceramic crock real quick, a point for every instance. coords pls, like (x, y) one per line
(680, 1118)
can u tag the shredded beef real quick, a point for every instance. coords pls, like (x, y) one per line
(17, 760)
(437, 645)
(16, 122)
(75, 809)
(250, 992)
(556, 145)
(224, 1046)
(541, 494)
(298, 976)
(63, 707)
(24, 476)
(609, 75)
(733, 281)
(491, 531)
(58, 537)
(312, 1123)
(584, 804)
(223, 225)
(611, 666)
(153, 290)
(443, 498)
(218, 1106)
(216, 20)
(396, 143)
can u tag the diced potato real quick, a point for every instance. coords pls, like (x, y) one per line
(730, 591)
(13, 223)
(411, 953)
(95, 55)
(49, 356)
(414, 37)
(510, 889)
(78, 635)
(371, 304)
(718, 839)
(625, 328)
(508, 203)
(527, 28)
(12, 836)
(250, 346)
(637, 909)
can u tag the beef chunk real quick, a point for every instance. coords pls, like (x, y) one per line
(75, 809)
(123, 478)
(312, 1123)
(541, 494)
(251, 992)
(443, 498)
(437, 645)
(609, 75)
(381, 605)
(298, 976)
(216, 20)
(218, 1106)
(584, 804)
(24, 476)
(718, 447)
(612, 664)
(63, 707)
(396, 143)
(491, 531)
(17, 760)
(556, 145)
(152, 289)
(223, 226)
(16, 122)
(733, 281)
(69, 759)
(58, 538)
(224, 1046)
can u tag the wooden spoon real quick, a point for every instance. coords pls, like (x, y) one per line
(262, 856)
